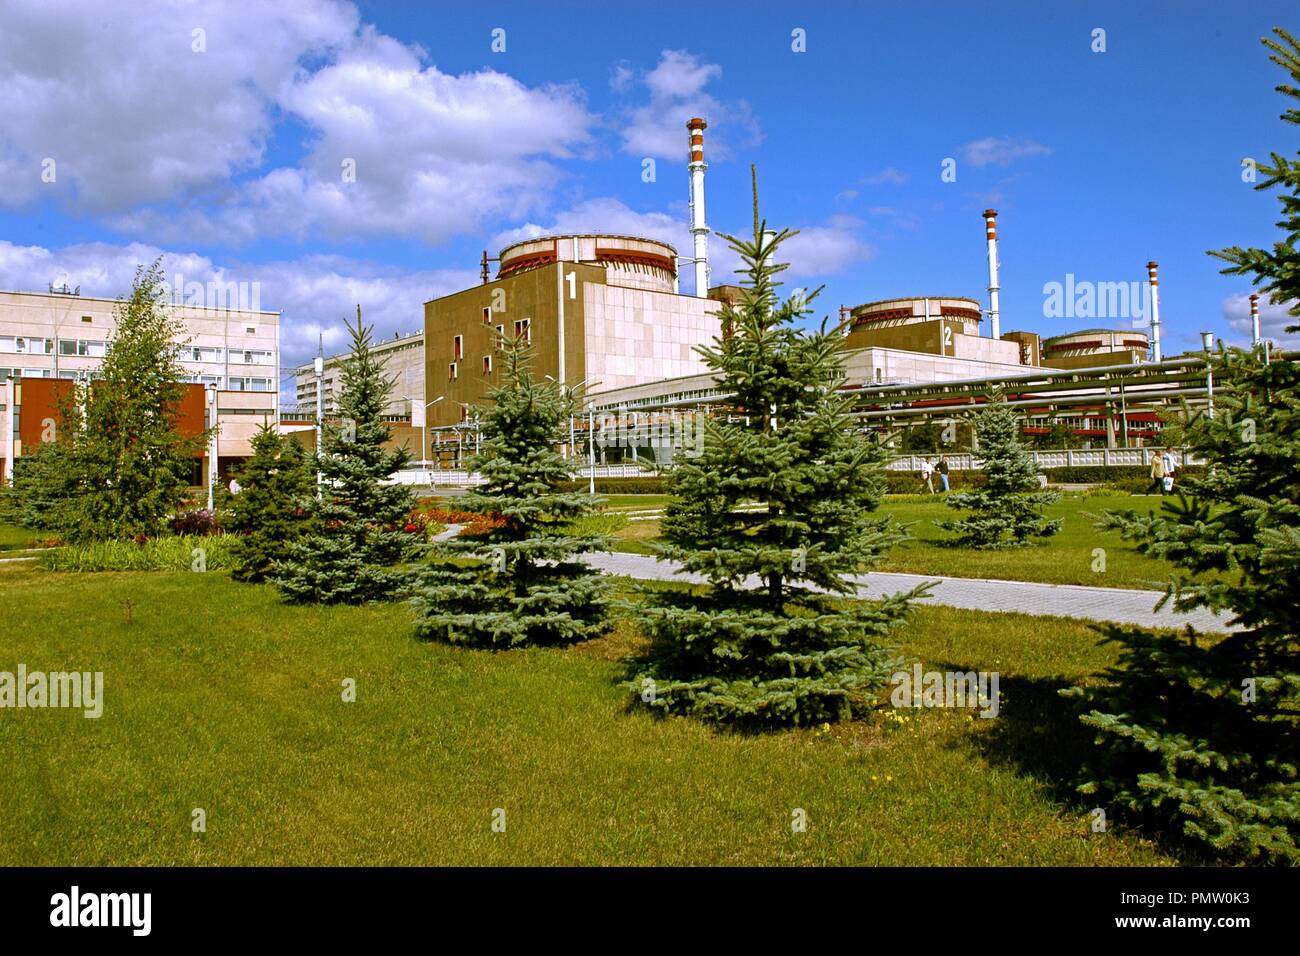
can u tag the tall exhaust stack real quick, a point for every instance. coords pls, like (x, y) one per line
(696, 127)
(991, 232)
(1254, 320)
(1153, 282)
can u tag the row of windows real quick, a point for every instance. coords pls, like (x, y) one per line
(95, 348)
(238, 383)
(204, 353)
(22, 345)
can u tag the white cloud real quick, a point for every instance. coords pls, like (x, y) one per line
(315, 293)
(171, 144)
(1000, 151)
(889, 175)
(676, 87)
(1273, 320)
(434, 154)
(126, 108)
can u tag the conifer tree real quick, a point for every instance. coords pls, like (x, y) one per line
(358, 538)
(270, 511)
(44, 487)
(522, 582)
(1007, 510)
(774, 513)
(1201, 737)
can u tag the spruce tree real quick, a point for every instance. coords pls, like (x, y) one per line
(44, 487)
(357, 542)
(520, 583)
(774, 513)
(1197, 736)
(1007, 510)
(270, 511)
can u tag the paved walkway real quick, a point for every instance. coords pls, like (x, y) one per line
(1118, 605)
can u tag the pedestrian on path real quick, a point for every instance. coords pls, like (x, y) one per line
(927, 472)
(1171, 470)
(1157, 475)
(943, 471)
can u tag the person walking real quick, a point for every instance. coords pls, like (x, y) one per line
(1171, 470)
(1157, 475)
(943, 471)
(927, 472)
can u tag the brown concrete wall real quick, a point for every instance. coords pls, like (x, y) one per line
(926, 337)
(533, 294)
(1096, 359)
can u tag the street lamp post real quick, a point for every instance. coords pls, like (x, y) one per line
(591, 444)
(320, 415)
(424, 426)
(1207, 341)
(212, 445)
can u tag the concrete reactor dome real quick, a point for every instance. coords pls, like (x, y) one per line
(630, 261)
(1094, 342)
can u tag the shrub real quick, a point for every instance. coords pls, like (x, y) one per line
(198, 522)
(649, 485)
(179, 553)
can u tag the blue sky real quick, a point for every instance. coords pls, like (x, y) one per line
(226, 160)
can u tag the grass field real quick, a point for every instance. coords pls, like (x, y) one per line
(1066, 558)
(217, 696)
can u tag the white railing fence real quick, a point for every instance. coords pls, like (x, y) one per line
(460, 478)
(1051, 458)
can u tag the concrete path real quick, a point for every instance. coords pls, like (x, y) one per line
(1121, 606)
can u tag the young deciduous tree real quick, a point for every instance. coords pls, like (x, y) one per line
(1007, 510)
(358, 538)
(775, 513)
(270, 512)
(131, 463)
(523, 583)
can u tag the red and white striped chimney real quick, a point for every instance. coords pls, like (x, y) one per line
(991, 233)
(699, 231)
(1153, 283)
(1254, 320)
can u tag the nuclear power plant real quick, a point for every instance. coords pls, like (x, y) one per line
(605, 314)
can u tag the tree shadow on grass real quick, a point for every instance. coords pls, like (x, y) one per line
(1038, 732)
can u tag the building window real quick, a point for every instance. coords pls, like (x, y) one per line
(524, 330)
(451, 372)
(87, 318)
(487, 315)
(487, 365)
(501, 337)
(458, 347)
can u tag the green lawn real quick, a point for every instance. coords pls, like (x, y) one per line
(14, 538)
(1066, 558)
(220, 697)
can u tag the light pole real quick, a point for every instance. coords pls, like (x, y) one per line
(567, 390)
(1207, 341)
(424, 425)
(320, 415)
(212, 444)
(591, 444)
